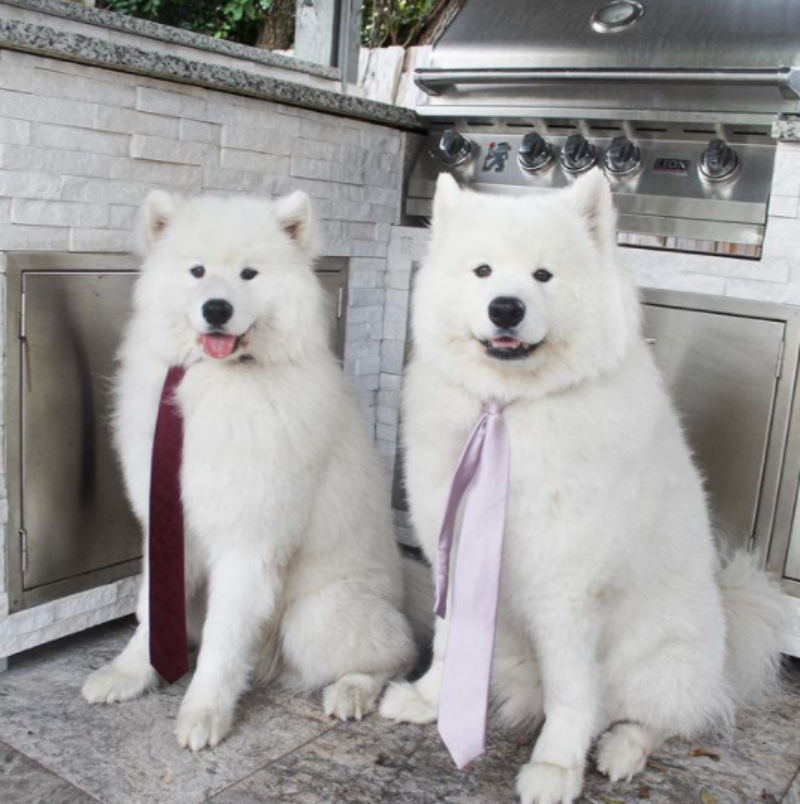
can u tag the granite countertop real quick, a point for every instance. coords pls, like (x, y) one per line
(148, 48)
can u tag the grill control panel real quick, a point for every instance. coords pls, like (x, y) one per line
(689, 187)
(717, 162)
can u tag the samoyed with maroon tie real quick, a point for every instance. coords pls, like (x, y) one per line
(618, 624)
(291, 568)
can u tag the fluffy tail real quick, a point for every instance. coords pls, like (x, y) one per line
(756, 614)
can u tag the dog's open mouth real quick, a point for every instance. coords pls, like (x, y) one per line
(218, 345)
(506, 347)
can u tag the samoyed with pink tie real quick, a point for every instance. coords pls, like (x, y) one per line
(586, 596)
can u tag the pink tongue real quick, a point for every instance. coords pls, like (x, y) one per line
(219, 346)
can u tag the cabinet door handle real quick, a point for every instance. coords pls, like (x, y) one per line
(650, 341)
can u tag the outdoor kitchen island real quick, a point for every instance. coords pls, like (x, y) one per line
(97, 109)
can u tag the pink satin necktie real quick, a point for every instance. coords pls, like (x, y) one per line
(481, 478)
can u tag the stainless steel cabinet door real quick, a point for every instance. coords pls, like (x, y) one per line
(721, 371)
(74, 512)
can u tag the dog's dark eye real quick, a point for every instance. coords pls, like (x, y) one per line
(197, 271)
(483, 271)
(542, 275)
(248, 273)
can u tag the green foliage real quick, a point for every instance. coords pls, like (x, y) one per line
(384, 22)
(393, 22)
(238, 20)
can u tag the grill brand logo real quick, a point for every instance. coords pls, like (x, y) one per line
(497, 156)
(672, 165)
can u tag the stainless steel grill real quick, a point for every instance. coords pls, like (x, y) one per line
(674, 100)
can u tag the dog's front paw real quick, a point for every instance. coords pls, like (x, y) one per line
(404, 704)
(200, 727)
(543, 783)
(351, 697)
(113, 683)
(620, 753)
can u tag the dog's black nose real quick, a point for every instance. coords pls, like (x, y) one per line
(506, 311)
(217, 312)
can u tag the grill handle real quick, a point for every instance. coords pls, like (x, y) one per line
(432, 80)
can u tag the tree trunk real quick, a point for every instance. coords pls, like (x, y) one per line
(277, 32)
(442, 12)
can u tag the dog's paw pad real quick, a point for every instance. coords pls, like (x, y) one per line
(620, 755)
(112, 684)
(543, 783)
(404, 704)
(351, 697)
(201, 728)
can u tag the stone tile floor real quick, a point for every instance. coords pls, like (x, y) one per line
(56, 749)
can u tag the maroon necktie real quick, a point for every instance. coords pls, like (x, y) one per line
(168, 645)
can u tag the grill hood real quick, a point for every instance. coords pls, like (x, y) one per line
(653, 59)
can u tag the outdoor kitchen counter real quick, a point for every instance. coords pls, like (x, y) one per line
(102, 38)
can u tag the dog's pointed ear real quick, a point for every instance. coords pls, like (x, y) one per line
(295, 218)
(447, 194)
(591, 196)
(156, 215)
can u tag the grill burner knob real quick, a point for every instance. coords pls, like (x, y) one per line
(578, 154)
(622, 156)
(454, 148)
(718, 161)
(535, 152)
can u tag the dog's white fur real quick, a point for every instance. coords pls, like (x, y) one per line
(291, 565)
(617, 618)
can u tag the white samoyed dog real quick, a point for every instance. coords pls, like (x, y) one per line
(292, 570)
(616, 619)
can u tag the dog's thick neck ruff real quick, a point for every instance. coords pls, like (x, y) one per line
(481, 479)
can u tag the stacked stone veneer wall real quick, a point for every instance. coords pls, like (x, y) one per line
(80, 147)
